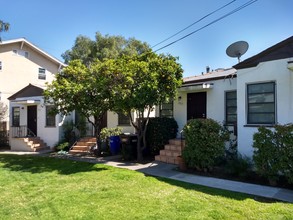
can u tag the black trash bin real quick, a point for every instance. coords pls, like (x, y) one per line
(129, 146)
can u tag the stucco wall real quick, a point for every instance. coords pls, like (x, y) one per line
(215, 101)
(268, 71)
(50, 135)
(18, 71)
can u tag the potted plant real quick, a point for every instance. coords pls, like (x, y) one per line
(112, 134)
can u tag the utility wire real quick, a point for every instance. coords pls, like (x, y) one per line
(193, 23)
(214, 21)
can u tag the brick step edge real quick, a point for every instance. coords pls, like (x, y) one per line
(167, 159)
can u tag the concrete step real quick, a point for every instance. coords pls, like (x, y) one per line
(81, 148)
(173, 147)
(177, 142)
(85, 143)
(170, 153)
(167, 159)
(88, 139)
(78, 152)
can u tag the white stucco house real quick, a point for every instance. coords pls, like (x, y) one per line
(256, 92)
(24, 71)
(264, 92)
(210, 95)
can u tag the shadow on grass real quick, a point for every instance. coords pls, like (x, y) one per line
(214, 191)
(38, 164)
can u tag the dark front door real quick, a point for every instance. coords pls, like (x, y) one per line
(32, 118)
(196, 105)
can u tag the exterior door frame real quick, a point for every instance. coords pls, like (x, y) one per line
(196, 105)
(32, 123)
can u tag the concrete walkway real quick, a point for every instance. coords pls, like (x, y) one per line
(170, 171)
(160, 169)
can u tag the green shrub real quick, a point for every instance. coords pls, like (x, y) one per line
(204, 143)
(62, 146)
(238, 166)
(266, 155)
(284, 142)
(273, 152)
(159, 132)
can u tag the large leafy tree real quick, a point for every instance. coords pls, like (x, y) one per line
(90, 81)
(88, 90)
(145, 82)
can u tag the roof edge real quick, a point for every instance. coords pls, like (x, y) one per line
(255, 60)
(18, 40)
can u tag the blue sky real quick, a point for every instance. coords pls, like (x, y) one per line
(54, 25)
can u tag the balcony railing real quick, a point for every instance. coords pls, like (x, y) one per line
(21, 131)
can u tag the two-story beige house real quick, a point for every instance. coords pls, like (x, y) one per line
(24, 71)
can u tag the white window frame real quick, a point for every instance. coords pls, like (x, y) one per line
(42, 74)
(50, 119)
(250, 104)
(21, 53)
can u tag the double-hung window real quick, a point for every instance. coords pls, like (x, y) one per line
(231, 107)
(50, 119)
(15, 116)
(261, 103)
(166, 109)
(42, 73)
(123, 120)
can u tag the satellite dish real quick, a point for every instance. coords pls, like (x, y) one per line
(237, 49)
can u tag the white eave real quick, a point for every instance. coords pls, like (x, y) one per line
(27, 101)
(23, 41)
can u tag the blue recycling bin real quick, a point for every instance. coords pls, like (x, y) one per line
(114, 145)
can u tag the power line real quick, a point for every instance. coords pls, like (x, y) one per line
(214, 21)
(193, 23)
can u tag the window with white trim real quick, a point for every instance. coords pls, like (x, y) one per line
(15, 116)
(20, 53)
(166, 109)
(261, 103)
(231, 107)
(42, 73)
(123, 120)
(50, 118)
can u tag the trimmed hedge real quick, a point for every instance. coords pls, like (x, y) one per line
(273, 152)
(159, 132)
(204, 143)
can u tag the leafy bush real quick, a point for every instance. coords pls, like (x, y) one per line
(108, 132)
(62, 146)
(159, 132)
(239, 166)
(266, 155)
(273, 152)
(204, 143)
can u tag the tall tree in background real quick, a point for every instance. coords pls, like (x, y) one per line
(4, 26)
(103, 47)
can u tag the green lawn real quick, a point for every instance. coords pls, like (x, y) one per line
(33, 187)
